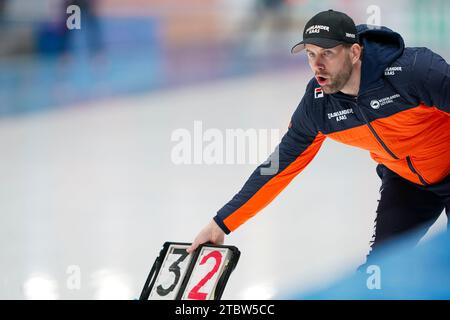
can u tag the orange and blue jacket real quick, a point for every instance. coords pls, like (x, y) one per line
(401, 116)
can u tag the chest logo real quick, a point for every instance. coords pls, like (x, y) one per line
(318, 93)
(376, 104)
(340, 115)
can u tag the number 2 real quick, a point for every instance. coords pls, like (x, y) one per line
(195, 294)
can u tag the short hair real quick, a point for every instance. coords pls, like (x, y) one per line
(349, 45)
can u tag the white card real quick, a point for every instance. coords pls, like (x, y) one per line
(171, 274)
(206, 273)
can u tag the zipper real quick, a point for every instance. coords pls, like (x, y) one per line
(385, 147)
(408, 158)
(411, 167)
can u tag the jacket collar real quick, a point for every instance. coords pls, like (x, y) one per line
(381, 47)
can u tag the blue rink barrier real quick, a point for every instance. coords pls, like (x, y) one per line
(398, 272)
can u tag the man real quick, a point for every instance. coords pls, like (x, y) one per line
(371, 92)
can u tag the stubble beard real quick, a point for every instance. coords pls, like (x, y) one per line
(337, 82)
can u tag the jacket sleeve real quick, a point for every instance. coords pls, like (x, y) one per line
(431, 79)
(296, 150)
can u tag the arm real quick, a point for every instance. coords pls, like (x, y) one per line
(296, 150)
(431, 79)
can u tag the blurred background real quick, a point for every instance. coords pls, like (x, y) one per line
(88, 185)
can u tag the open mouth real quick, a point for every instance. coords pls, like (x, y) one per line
(321, 80)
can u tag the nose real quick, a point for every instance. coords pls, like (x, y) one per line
(317, 64)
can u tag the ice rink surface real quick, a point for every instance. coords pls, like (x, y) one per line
(92, 190)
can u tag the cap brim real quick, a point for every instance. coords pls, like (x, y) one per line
(320, 42)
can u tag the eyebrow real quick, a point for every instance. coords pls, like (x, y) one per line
(324, 50)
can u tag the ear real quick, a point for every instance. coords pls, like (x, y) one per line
(355, 52)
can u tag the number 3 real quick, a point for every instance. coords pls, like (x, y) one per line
(175, 269)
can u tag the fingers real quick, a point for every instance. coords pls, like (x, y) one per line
(211, 233)
(193, 247)
(201, 238)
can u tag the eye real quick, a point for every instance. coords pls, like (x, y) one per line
(327, 53)
(310, 54)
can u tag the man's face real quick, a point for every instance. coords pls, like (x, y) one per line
(332, 67)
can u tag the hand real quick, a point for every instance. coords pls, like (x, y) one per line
(210, 233)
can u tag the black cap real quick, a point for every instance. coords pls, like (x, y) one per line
(328, 29)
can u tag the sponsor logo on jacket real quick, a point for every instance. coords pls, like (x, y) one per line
(376, 104)
(340, 115)
(318, 93)
(391, 71)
